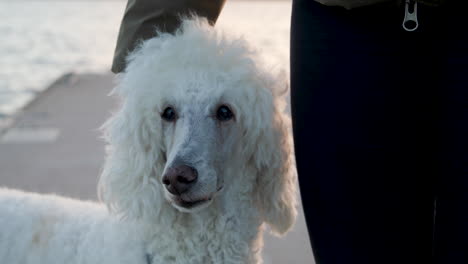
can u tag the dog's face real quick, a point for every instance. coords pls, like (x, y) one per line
(200, 121)
(199, 138)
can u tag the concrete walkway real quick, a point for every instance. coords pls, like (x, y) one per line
(54, 146)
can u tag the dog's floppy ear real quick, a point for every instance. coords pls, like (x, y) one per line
(128, 184)
(276, 188)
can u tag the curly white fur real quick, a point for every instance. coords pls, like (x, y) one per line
(195, 70)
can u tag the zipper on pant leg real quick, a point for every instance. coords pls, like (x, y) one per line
(410, 21)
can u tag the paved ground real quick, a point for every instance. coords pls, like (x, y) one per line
(53, 146)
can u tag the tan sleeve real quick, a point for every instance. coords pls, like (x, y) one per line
(142, 17)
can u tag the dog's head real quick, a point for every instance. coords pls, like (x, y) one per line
(199, 116)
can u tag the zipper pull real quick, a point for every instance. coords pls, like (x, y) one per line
(410, 22)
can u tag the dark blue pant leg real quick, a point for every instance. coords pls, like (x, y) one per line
(363, 106)
(451, 238)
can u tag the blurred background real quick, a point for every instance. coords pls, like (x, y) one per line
(43, 39)
(55, 59)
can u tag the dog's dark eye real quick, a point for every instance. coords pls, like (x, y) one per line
(169, 114)
(224, 113)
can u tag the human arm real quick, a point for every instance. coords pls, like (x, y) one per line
(142, 17)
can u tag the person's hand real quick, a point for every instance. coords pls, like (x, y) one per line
(350, 4)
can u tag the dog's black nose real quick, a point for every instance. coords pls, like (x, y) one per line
(179, 179)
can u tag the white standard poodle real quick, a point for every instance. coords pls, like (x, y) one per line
(199, 157)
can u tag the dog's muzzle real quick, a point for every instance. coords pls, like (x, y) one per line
(180, 179)
(180, 182)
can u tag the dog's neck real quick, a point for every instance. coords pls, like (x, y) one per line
(228, 231)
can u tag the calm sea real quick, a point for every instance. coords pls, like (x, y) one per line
(41, 40)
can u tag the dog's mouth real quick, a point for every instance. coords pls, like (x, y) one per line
(189, 205)
(192, 203)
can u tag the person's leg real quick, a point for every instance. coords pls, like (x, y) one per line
(452, 194)
(362, 98)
